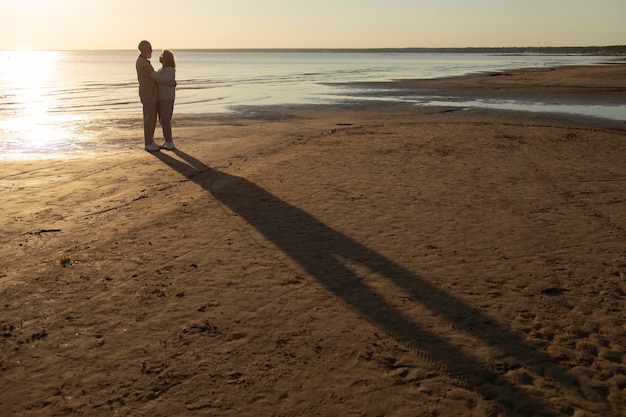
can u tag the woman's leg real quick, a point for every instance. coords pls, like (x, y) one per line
(166, 110)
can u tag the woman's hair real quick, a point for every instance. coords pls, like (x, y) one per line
(167, 58)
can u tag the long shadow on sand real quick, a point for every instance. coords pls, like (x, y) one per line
(318, 249)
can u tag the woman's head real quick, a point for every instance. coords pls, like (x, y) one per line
(167, 58)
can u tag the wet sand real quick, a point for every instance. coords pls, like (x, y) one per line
(564, 85)
(373, 260)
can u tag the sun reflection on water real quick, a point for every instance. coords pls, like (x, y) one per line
(27, 82)
(26, 79)
(44, 135)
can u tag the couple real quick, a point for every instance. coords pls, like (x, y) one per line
(157, 92)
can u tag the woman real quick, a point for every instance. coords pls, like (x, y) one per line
(166, 95)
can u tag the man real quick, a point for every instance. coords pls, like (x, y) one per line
(147, 94)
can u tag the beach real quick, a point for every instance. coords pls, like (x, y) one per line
(564, 85)
(372, 259)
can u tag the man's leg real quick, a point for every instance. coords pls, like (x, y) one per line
(149, 122)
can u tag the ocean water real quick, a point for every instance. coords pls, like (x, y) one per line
(54, 102)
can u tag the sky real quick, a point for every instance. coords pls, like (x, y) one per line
(181, 24)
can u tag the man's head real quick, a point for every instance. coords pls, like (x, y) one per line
(146, 49)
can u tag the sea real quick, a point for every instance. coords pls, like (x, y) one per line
(54, 102)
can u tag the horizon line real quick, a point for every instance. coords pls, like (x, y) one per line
(621, 48)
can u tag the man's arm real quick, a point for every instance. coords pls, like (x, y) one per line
(166, 78)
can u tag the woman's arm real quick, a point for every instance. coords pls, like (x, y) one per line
(165, 77)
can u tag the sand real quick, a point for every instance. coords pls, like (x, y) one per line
(374, 260)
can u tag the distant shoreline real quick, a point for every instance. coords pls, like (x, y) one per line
(584, 85)
(612, 50)
(576, 50)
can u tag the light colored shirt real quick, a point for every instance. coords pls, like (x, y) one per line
(164, 75)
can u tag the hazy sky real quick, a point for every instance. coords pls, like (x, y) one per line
(120, 24)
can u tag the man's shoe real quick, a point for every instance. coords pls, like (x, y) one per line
(153, 147)
(168, 146)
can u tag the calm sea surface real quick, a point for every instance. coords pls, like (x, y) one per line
(53, 101)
